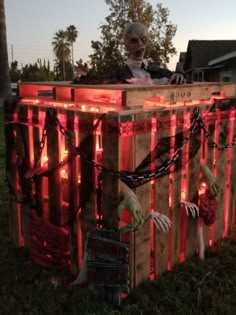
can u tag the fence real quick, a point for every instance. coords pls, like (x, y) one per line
(68, 147)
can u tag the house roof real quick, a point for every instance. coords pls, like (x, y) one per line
(200, 52)
(222, 59)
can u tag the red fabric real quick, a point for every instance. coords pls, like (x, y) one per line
(50, 244)
(207, 208)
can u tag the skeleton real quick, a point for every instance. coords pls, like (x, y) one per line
(136, 71)
(136, 39)
(193, 209)
(129, 201)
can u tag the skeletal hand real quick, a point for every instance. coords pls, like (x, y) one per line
(190, 208)
(210, 179)
(177, 78)
(161, 221)
(81, 69)
(131, 204)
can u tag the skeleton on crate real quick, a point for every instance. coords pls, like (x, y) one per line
(136, 70)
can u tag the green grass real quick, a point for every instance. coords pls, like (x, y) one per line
(194, 287)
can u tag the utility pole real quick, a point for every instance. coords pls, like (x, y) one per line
(12, 53)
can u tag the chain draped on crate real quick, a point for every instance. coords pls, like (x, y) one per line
(142, 173)
(52, 249)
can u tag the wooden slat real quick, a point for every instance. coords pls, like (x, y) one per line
(11, 173)
(73, 188)
(142, 236)
(221, 163)
(162, 191)
(87, 188)
(192, 193)
(209, 161)
(36, 144)
(127, 163)
(177, 177)
(175, 93)
(232, 196)
(111, 160)
(54, 178)
(25, 185)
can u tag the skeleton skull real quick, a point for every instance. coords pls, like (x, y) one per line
(135, 40)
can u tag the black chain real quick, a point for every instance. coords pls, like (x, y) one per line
(211, 140)
(50, 114)
(132, 178)
(138, 178)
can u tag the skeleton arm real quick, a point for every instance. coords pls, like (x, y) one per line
(131, 204)
(210, 179)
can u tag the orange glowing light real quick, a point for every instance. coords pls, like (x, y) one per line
(202, 188)
(64, 173)
(44, 159)
(64, 154)
(183, 195)
(170, 201)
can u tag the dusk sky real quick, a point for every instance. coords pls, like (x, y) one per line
(31, 24)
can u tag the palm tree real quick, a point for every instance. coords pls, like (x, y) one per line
(72, 34)
(5, 84)
(61, 48)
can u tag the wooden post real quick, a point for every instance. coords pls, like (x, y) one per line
(25, 185)
(87, 188)
(110, 160)
(232, 176)
(176, 177)
(72, 187)
(143, 192)
(127, 162)
(15, 229)
(221, 165)
(54, 178)
(162, 200)
(192, 189)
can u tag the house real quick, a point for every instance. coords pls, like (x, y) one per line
(209, 60)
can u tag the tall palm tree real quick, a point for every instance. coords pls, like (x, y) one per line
(5, 84)
(61, 48)
(72, 34)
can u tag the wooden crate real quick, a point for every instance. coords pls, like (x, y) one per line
(73, 199)
(124, 96)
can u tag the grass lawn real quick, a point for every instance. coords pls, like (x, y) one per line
(194, 287)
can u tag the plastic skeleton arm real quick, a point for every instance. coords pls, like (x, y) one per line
(190, 208)
(131, 204)
(194, 210)
(210, 179)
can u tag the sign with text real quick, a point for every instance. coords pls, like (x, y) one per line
(108, 264)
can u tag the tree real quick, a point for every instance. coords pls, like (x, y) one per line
(58, 70)
(72, 34)
(15, 73)
(39, 71)
(5, 84)
(61, 48)
(109, 49)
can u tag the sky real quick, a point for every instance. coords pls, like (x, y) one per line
(31, 24)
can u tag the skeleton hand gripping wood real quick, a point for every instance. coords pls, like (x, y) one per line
(210, 179)
(131, 204)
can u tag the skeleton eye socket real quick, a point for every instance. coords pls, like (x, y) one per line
(144, 39)
(134, 40)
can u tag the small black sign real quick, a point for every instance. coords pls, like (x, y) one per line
(108, 264)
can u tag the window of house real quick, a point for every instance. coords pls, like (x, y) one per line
(226, 76)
